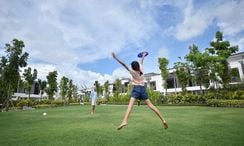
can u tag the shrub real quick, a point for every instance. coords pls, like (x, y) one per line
(124, 97)
(238, 94)
(226, 103)
(45, 102)
(41, 106)
(155, 96)
(24, 102)
(102, 100)
(59, 103)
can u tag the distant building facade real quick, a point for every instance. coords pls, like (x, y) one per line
(23, 93)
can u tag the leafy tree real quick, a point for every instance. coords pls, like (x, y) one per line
(3, 88)
(106, 86)
(129, 88)
(183, 74)
(199, 64)
(75, 92)
(42, 86)
(52, 86)
(163, 63)
(29, 79)
(10, 66)
(64, 87)
(70, 90)
(98, 88)
(221, 50)
(117, 88)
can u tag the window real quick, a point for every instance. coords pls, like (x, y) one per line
(171, 83)
(153, 85)
(235, 76)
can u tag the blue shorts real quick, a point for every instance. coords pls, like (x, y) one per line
(139, 92)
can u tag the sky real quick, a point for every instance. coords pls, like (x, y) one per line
(76, 37)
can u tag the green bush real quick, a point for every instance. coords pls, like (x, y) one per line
(45, 102)
(209, 95)
(24, 102)
(225, 103)
(41, 106)
(238, 94)
(124, 97)
(102, 100)
(59, 102)
(154, 96)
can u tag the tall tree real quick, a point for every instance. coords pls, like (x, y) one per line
(10, 67)
(3, 88)
(42, 86)
(63, 86)
(70, 90)
(75, 92)
(117, 88)
(29, 79)
(199, 65)
(52, 86)
(183, 74)
(163, 63)
(106, 88)
(221, 50)
(98, 88)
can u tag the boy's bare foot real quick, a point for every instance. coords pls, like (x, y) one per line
(165, 125)
(122, 125)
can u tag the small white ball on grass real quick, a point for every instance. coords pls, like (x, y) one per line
(44, 114)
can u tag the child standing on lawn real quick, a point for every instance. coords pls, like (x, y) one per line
(93, 97)
(138, 91)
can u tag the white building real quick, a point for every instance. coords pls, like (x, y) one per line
(237, 61)
(35, 93)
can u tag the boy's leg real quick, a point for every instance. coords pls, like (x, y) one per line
(93, 109)
(127, 113)
(93, 104)
(152, 107)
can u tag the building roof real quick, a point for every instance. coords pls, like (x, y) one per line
(151, 74)
(236, 57)
(239, 53)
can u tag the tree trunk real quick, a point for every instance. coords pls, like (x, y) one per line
(29, 95)
(8, 98)
(201, 89)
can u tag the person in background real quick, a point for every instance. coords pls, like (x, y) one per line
(93, 97)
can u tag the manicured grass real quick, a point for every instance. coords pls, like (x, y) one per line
(73, 125)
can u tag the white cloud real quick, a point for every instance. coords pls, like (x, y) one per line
(80, 77)
(194, 23)
(163, 52)
(63, 33)
(84, 31)
(239, 42)
(42, 70)
(230, 17)
(227, 14)
(120, 73)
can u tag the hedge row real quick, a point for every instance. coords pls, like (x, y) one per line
(226, 103)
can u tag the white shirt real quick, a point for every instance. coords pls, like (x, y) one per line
(93, 95)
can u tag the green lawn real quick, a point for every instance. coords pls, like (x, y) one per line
(73, 125)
